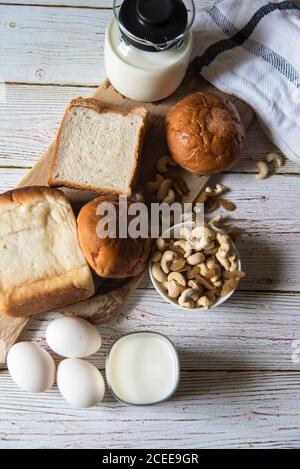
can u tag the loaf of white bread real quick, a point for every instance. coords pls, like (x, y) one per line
(42, 266)
(98, 147)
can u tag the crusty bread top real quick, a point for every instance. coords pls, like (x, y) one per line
(31, 194)
(205, 134)
(91, 104)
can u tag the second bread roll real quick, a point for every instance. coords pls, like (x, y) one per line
(115, 258)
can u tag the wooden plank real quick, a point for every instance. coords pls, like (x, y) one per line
(52, 45)
(29, 120)
(210, 410)
(84, 3)
(10, 177)
(31, 115)
(67, 3)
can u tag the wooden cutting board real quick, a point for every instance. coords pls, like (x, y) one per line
(111, 295)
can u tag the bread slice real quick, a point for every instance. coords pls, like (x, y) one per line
(42, 266)
(97, 147)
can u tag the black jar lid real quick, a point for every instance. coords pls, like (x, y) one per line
(157, 22)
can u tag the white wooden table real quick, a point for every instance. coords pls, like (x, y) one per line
(240, 387)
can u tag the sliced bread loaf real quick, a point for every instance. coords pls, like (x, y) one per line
(98, 148)
(42, 266)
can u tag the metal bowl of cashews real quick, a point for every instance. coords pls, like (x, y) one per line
(195, 266)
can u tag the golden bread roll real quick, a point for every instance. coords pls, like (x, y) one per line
(115, 258)
(205, 134)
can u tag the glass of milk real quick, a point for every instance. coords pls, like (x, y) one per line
(148, 47)
(142, 368)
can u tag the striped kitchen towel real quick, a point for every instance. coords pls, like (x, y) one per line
(251, 49)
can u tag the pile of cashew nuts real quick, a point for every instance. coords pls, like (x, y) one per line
(165, 189)
(198, 268)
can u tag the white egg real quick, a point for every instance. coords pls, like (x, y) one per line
(73, 337)
(80, 383)
(31, 367)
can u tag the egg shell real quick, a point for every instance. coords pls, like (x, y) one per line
(80, 383)
(73, 337)
(31, 367)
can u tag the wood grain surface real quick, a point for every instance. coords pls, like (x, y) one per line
(240, 384)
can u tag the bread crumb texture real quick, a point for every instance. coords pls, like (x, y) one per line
(98, 149)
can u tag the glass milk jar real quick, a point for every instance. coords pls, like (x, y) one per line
(148, 47)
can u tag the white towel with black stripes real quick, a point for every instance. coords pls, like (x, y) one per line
(251, 49)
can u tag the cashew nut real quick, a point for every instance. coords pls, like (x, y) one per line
(196, 258)
(216, 274)
(166, 259)
(212, 263)
(139, 197)
(210, 248)
(195, 286)
(222, 254)
(186, 298)
(225, 244)
(172, 288)
(156, 256)
(216, 221)
(263, 170)
(203, 232)
(275, 158)
(203, 244)
(163, 163)
(186, 233)
(185, 245)
(177, 249)
(218, 190)
(223, 261)
(204, 302)
(177, 265)
(188, 304)
(164, 189)
(170, 197)
(178, 277)
(203, 269)
(233, 262)
(217, 283)
(157, 273)
(162, 244)
(153, 186)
